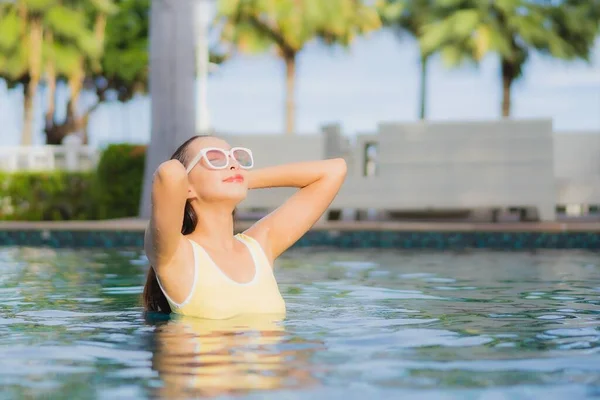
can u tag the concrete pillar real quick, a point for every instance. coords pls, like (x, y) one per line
(172, 67)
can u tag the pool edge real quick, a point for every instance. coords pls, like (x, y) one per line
(129, 233)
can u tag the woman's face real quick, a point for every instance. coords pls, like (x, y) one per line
(209, 184)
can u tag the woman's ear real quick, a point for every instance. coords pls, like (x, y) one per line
(191, 193)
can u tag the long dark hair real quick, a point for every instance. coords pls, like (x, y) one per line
(153, 297)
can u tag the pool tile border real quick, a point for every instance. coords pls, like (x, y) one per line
(405, 239)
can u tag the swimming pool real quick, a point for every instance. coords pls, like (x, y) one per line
(379, 323)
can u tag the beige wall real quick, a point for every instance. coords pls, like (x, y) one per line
(428, 166)
(577, 167)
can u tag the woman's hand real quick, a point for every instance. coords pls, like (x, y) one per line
(298, 175)
(319, 182)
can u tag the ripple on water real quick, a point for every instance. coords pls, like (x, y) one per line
(358, 265)
(124, 290)
(411, 338)
(11, 321)
(571, 332)
(380, 293)
(440, 280)
(551, 317)
(416, 275)
(67, 314)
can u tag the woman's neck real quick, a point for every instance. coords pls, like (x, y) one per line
(215, 227)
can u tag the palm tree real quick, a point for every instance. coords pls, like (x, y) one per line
(42, 36)
(288, 25)
(411, 16)
(467, 30)
(66, 56)
(13, 59)
(73, 55)
(20, 58)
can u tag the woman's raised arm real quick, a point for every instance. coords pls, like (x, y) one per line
(169, 194)
(319, 182)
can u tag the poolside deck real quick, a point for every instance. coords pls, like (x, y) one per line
(138, 225)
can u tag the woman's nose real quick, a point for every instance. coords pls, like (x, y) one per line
(234, 164)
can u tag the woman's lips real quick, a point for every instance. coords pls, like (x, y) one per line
(234, 179)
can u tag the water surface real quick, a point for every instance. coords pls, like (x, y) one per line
(362, 323)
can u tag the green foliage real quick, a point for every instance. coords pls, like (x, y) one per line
(119, 180)
(72, 44)
(9, 27)
(287, 25)
(412, 16)
(66, 22)
(125, 61)
(113, 191)
(43, 196)
(468, 30)
(511, 28)
(13, 55)
(105, 6)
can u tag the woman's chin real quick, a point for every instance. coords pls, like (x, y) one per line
(234, 194)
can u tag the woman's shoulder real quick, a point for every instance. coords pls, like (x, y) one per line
(256, 240)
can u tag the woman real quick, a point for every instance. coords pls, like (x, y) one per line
(202, 269)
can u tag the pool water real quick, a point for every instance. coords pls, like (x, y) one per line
(386, 324)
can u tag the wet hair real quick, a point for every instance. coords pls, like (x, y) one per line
(153, 297)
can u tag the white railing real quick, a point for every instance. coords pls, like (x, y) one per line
(70, 157)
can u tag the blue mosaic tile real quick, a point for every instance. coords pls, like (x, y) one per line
(72, 239)
(340, 239)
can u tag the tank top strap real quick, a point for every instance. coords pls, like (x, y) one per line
(256, 249)
(199, 253)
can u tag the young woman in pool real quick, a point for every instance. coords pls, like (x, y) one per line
(202, 269)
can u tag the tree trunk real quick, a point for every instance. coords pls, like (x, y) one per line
(290, 82)
(51, 108)
(28, 95)
(99, 34)
(508, 77)
(51, 85)
(172, 67)
(75, 86)
(35, 70)
(100, 29)
(423, 87)
(23, 16)
(55, 133)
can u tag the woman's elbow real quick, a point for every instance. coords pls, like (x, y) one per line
(339, 167)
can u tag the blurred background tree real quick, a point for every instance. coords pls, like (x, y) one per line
(410, 17)
(45, 39)
(286, 26)
(467, 30)
(94, 45)
(100, 47)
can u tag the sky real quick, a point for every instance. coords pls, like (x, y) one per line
(375, 80)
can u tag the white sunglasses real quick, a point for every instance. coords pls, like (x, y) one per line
(217, 158)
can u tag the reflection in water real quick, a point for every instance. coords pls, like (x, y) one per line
(196, 356)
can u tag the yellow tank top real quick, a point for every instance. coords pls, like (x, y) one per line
(216, 296)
